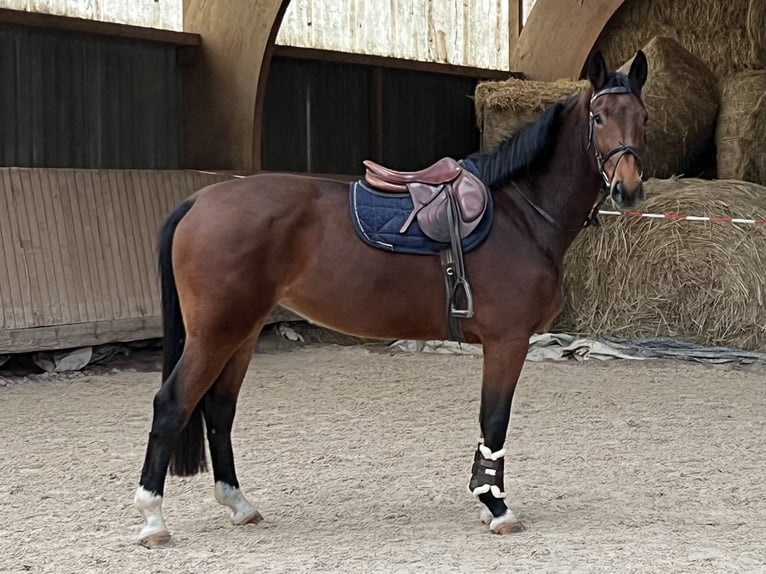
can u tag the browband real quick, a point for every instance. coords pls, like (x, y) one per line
(612, 90)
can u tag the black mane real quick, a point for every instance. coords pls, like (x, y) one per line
(519, 153)
(516, 155)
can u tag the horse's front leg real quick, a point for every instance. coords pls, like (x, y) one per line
(503, 362)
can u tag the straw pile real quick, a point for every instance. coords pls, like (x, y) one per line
(741, 130)
(681, 96)
(728, 36)
(701, 282)
(503, 108)
(756, 31)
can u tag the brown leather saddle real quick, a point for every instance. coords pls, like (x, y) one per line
(432, 189)
(448, 203)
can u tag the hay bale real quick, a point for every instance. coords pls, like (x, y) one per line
(701, 282)
(727, 36)
(756, 32)
(504, 107)
(741, 129)
(681, 96)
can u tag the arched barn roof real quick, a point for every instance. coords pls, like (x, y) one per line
(224, 113)
(558, 37)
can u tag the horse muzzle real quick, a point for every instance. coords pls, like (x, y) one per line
(624, 196)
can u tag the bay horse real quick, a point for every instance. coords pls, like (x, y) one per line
(234, 250)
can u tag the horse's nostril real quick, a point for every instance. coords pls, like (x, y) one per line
(618, 192)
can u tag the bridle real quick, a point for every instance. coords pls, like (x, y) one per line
(601, 158)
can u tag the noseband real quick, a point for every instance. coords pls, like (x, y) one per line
(601, 158)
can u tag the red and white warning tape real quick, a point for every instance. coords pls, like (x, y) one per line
(682, 217)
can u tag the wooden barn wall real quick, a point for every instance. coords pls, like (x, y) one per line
(425, 117)
(316, 116)
(77, 253)
(327, 117)
(75, 100)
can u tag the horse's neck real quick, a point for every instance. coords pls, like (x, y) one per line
(568, 185)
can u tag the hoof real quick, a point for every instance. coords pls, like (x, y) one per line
(252, 517)
(508, 523)
(159, 540)
(242, 511)
(485, 516)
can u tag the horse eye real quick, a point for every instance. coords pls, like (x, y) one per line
(597, 118)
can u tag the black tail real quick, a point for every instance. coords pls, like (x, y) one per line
(189, 454)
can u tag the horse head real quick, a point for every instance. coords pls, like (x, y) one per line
(617, 132)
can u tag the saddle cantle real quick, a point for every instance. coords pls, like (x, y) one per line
(430, 190)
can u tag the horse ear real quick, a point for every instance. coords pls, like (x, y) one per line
(638, 70)
(597, 71)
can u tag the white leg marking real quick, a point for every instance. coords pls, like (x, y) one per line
(242, 512)
(150, 506)
(486, 515)
(507, 522)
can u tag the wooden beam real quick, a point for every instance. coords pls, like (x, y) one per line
(222, 104)
(263, 80)
(84, 26)
(79, 335)
(388, 62)
(515, 22)
(70, 336)
(558, 37)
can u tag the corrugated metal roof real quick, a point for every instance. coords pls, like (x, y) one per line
(462, 32)
(163, 14)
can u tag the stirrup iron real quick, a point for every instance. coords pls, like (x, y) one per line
(467, 312)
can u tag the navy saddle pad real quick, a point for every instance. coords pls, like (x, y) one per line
(378, 217)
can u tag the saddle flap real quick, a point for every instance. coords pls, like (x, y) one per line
(470, 197)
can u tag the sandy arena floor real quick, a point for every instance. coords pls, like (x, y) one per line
(359, 460)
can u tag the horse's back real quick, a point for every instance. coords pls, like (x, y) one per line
(273, 208)
(269, 190)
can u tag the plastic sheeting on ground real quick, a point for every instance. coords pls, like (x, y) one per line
(562, 347)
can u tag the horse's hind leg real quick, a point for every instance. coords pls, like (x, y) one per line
(219, 406)
(174, 405)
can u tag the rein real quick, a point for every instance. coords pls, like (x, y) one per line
(547, 216)
(601, 159)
